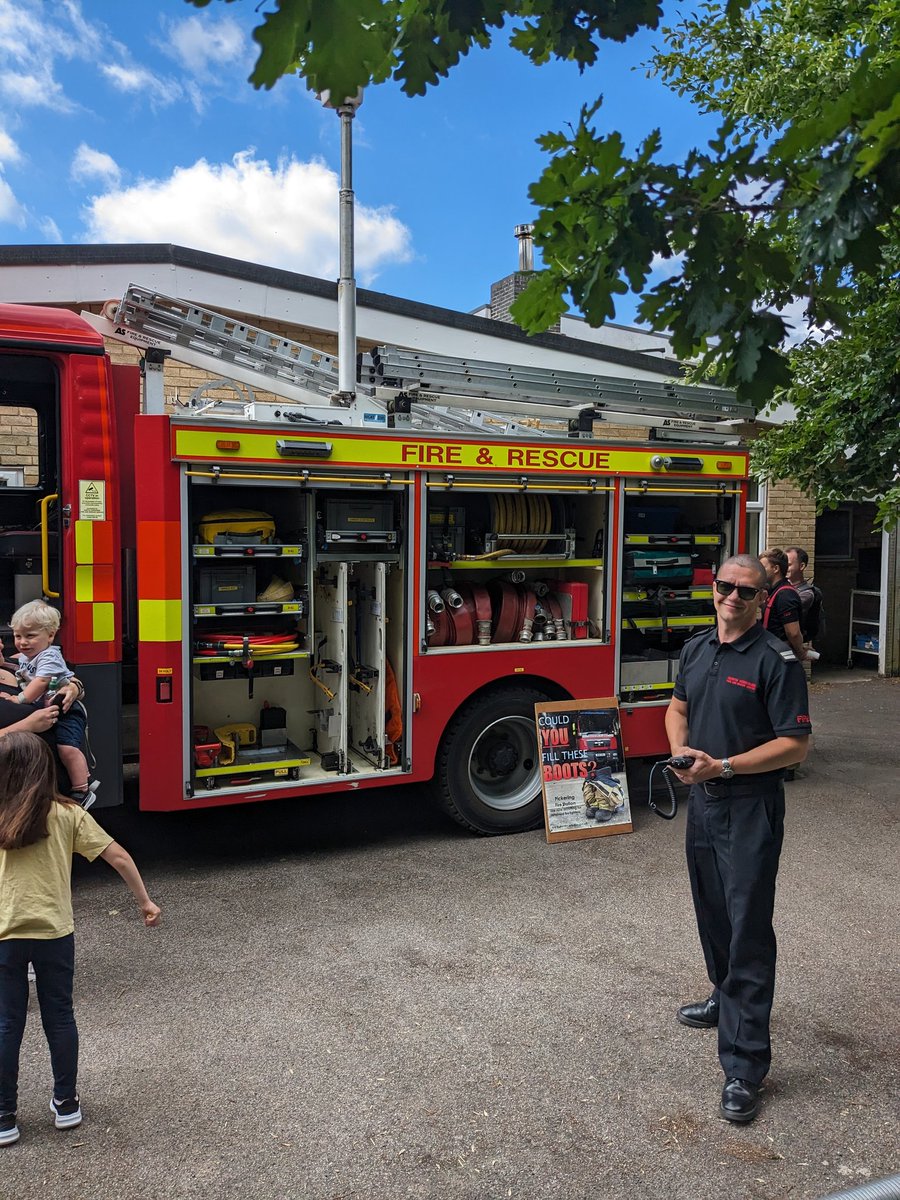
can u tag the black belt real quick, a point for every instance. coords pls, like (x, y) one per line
(722, 789)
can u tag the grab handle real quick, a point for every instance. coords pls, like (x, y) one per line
(45, 546)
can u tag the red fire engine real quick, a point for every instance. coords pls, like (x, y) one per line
(301, 596)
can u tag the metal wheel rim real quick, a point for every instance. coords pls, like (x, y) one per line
(507, 792)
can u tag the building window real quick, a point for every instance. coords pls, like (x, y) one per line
(834, 534)
(755, 520)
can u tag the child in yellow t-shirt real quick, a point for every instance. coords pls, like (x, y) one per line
(39, 833)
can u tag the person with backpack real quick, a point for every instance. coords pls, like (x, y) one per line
(781, 614)
(812, 610)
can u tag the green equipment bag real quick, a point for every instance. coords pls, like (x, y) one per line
(658, 567)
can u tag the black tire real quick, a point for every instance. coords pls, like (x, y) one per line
(488, 767)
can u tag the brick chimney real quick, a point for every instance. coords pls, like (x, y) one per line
(505, 291)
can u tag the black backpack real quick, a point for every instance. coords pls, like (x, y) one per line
(812, 612)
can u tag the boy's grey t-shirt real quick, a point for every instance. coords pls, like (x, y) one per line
(44, 665)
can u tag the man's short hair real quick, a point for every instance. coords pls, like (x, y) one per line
(749, 563)
(802, 556)
(777, 556)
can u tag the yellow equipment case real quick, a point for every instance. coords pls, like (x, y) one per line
(240, 526)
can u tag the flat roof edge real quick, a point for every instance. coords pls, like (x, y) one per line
(292, 281)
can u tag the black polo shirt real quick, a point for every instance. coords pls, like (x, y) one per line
(782, 608)
(741, 694)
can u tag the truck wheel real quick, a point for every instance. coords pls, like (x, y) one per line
(488, 768)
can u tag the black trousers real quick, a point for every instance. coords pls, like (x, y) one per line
(733, 843)
(54, 968)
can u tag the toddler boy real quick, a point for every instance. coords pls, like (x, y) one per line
(34, 627)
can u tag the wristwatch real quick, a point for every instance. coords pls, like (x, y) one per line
(727, 769)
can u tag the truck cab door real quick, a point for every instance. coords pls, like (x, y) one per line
(30, 509)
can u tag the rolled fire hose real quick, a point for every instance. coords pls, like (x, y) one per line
(526, 631)
(473, 621)
(522, 514)
(233, 644)
(505, 623)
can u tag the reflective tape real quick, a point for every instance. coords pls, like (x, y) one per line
(159, 620)
(104, 622)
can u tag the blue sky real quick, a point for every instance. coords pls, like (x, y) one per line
(132, 121)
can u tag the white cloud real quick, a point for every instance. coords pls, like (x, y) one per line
(284, 215)
(202, 47)
(10, 209)
(799, 327)
(36, 34)
(214, 54)
(50, 230)
(89, 163)
(33, 35)
(9, 150)
(38, 90)
(137, 80)
(664, 266)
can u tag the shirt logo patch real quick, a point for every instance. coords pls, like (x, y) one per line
(788, 655)
(802, 719)
(744, 683)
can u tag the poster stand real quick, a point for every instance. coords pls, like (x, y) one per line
(582, 769)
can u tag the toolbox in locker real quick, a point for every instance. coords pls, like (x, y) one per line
(226, 583)
(446, 532)
(672, 567)
(663, 518)
(348, 520)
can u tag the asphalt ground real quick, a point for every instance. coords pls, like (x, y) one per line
(350, 997)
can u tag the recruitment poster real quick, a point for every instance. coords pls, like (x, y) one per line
(582, 769)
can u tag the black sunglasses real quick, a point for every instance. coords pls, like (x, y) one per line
(725, 587)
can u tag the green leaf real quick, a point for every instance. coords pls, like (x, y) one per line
(541, 304)
(281, 37)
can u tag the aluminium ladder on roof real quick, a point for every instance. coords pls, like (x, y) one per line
(178, 325)
(435, 385)
(408, 371)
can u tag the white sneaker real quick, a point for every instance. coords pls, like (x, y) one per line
(88, 796)
(66, 1113)
(9, 1130)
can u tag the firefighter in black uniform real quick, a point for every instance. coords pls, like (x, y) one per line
(782, 613)
(740, 710)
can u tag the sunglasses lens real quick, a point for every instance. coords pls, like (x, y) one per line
(725, 587)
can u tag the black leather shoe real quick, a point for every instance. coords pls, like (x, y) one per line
(702, 1014)
(740, 1100)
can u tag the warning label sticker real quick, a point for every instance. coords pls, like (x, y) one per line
(92, 499)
